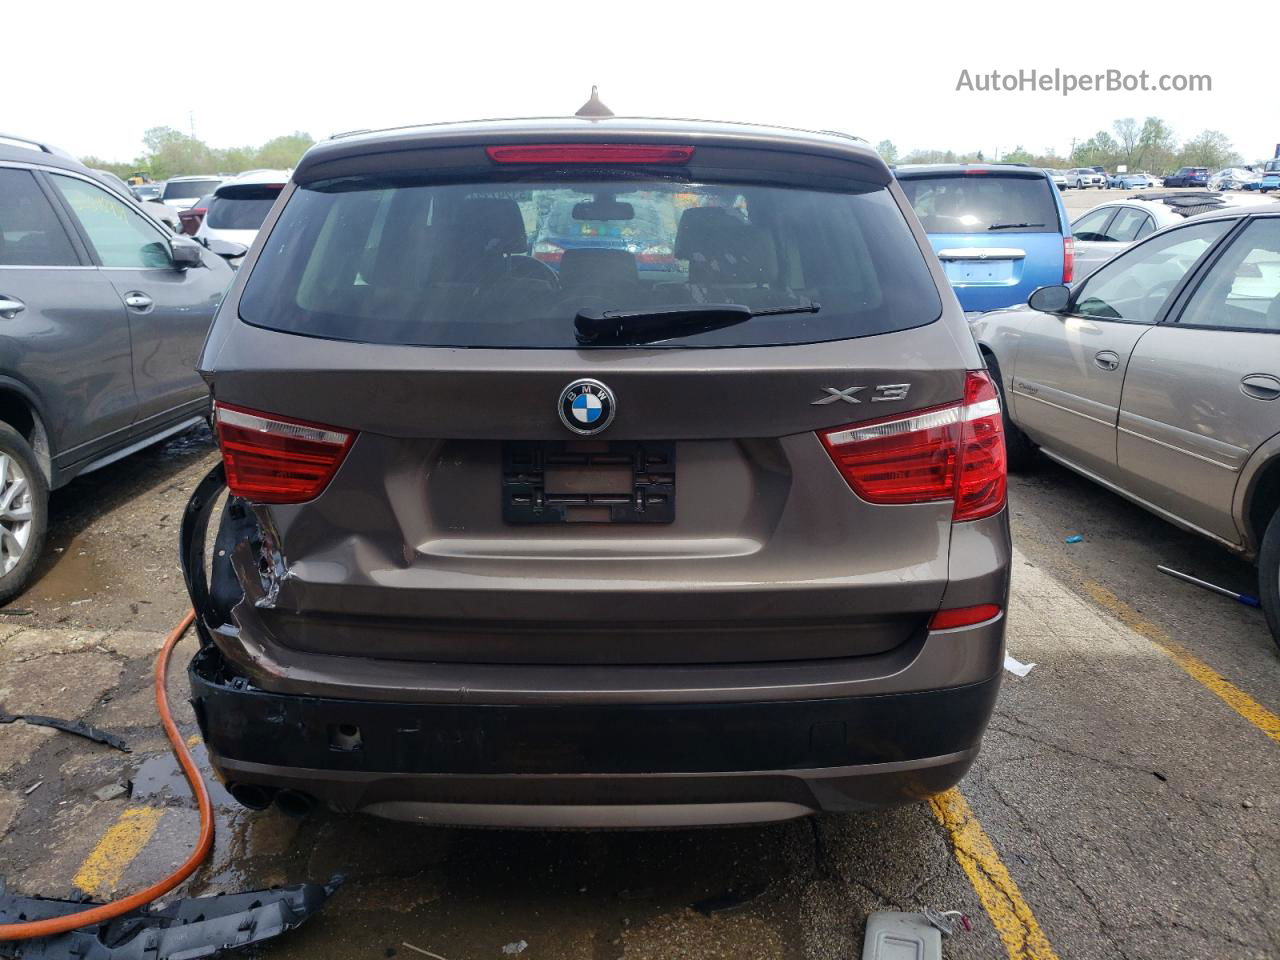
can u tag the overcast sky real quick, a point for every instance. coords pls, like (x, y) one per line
(93, 77)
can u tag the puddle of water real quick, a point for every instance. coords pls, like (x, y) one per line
(160, 776)
(72, 573)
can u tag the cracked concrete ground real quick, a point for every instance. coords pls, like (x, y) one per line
(1135, 810)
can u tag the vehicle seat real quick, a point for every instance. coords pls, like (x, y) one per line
(723, 249)
(473, 240)
(598, 271)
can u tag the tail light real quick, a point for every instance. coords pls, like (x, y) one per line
(273, 459)
(953, 452)
(547, 252)
(593, 153)
(1068, 259)
(658, 253)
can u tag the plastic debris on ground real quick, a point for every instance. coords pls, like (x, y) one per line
(1074, 538)
(184, 929)
(910, 936)
(85, 730)
(516, 948)
(1017, 667)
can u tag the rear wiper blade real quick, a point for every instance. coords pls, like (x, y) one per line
(1012, 226)
(652, 324)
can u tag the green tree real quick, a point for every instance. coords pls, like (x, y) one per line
(1129, 142)
(1209, 148)
(122, 170)
(1157, 145)
(283, 152)
(888, 152)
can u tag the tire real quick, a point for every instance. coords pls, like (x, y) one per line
(24, 512)
(1019, 450)
(1269, 576)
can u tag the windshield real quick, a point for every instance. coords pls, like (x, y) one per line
(1272, 166)
(512, 264)
(971, 203)
(183, 189)
(245, 210)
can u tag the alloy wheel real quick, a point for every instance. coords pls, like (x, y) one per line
(15, 513)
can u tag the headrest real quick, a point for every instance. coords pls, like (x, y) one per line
(590, 266)
(722, 247)
(491, 224)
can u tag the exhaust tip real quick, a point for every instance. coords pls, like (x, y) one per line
(295, 803)
(251, 795)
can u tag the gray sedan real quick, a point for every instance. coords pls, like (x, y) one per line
(1158, 377)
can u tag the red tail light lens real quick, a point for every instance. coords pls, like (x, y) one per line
(601, 153)
(1068, 259)
(963, 616)
(954, 453)
(272, 459)
(547, 252)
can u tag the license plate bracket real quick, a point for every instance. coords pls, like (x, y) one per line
(589, 481)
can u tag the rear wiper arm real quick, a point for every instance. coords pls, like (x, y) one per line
(1012, 226)
(660, 323)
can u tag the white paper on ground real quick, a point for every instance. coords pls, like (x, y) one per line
(1017, 668)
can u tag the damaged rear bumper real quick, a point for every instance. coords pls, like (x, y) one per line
(584, 765)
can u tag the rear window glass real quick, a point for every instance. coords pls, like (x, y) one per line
(245, 210)
(981, 203)
(511, 264)
(182, 189)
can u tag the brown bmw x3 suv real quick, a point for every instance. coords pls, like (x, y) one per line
(597, 472)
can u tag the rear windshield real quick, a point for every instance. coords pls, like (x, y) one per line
(981, 203)
(244, 210)
(511, 264)
(181, 189)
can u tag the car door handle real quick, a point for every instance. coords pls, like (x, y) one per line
(136, 300)
(9, 307)
(1107, 359)
(1260, 386)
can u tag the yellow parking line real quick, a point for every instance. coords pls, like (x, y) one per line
(102, 869)
(1000, 896)
(1232, 696)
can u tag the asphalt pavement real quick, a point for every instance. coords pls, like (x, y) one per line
(1124, 804)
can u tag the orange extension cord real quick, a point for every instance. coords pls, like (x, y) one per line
(109, 911)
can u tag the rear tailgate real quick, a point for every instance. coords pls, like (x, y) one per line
(710, 524)
(998, 270)
(769, 556)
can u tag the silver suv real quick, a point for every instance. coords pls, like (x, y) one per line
(102, 314)
(1158, 376)
(597, 473)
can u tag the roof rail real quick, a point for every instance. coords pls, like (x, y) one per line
(846, 136)
(350, 133)
(27, 142)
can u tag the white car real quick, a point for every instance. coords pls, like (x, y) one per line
(182, 192)
(238, 208)
(1059, 178)
(1109, 228)
(1084, 177)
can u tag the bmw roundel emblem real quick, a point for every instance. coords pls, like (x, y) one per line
(586, 406)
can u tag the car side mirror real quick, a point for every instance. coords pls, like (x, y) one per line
(227, 249)
(185, 253)
(1050, 299)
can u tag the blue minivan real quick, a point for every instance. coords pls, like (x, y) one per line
(999, 229)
